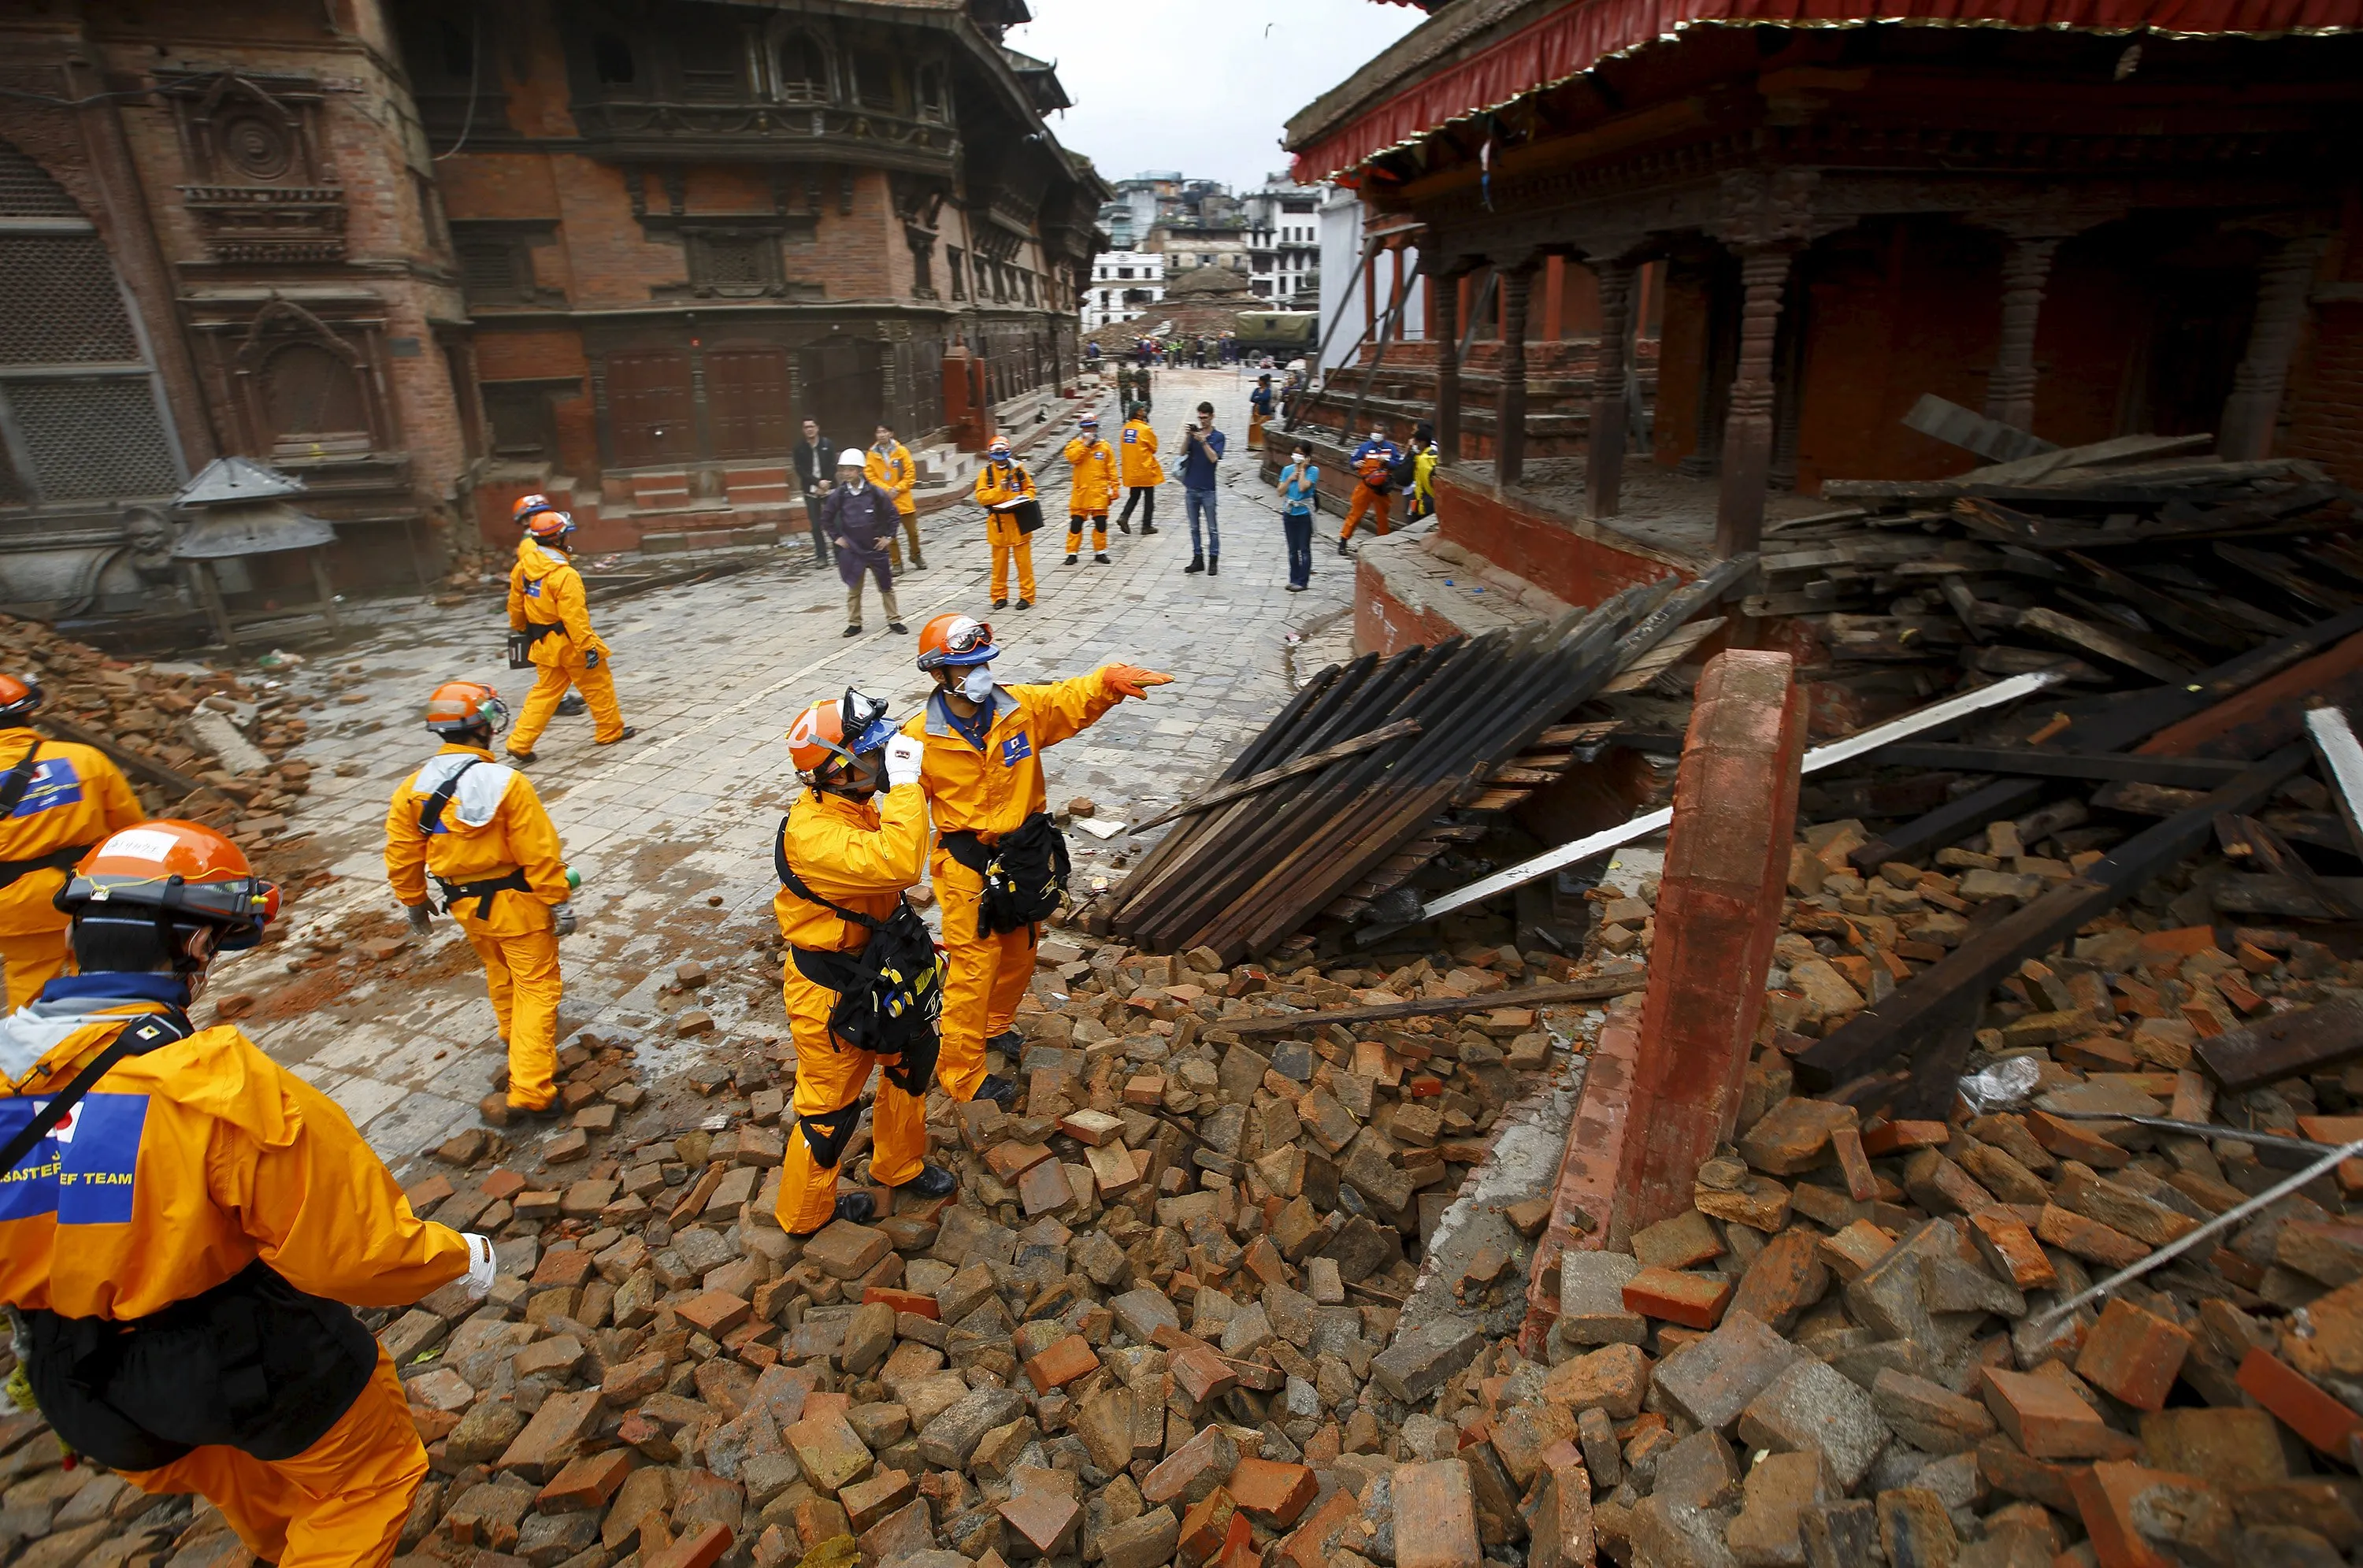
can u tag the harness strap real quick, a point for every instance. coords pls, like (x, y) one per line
(430, 816)
(482, 890)
(64, 858)
(19, 779)
(796, 885)
(143, 1035)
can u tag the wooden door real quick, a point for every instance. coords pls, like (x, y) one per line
(844, 391)
(651, 414)
(747, 401)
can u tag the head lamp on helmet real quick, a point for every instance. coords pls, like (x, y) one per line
(179, 873)
(955, 642)
(827, 738)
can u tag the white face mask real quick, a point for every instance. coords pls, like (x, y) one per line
(976, 685)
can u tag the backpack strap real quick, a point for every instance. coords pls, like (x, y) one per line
(144, 1034)
(19, 779)
(795, 884)
(430, 816)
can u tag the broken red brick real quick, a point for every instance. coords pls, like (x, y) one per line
(1062, 1363)
(1277, 1493)
(1694, 1300)
(2132, 1355)
(2324, 1421)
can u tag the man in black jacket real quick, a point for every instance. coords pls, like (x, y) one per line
(816, 458)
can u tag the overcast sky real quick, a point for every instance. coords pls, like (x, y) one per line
(1199, 85)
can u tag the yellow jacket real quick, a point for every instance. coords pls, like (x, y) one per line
(991, 792)
(75, 797)
(1091, 486)
(494, 824)
(894, 473)
(184, 1167)
(545, 590)
(1141, 469)
(995, 485)
(860, 854)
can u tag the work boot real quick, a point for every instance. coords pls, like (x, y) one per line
(1197, 563)
(1147, 529)
(918, 562)
(571, 704)
(1002, 1091)
(1001, 604)
(1342, 549)
(1025, 604)
(515, 756)
(933, 1181)
(1214, 564)
(857, 1207)
(1102, 558)
(1071, 560)
(899, 629)
(1009, 1042)
(496, 1109)
(854, 630)
(629, 731)
(1123, 526)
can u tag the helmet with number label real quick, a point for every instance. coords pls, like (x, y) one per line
(177, 873)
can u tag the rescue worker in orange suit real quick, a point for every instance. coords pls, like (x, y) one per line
(1374, 468)
(524, 510)
(982, 775)
(851, 850)
(1003, 486)
(1141, 472)
(546, 600)
(1092, 488)
(183, 1224)
(890, 469)
(57, 798)
(480, 831)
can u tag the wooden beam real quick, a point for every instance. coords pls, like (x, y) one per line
(1597, 988)
(1900, 1021)
(1272, 775)
(131, 762)
(2285, 1045)
(2041, 762)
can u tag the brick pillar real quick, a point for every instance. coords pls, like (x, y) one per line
(1718, 914)
(1444, 308)
(1604, 456)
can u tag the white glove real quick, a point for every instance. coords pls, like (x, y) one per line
(904, 756)
(480, 1265)
(421, 917)
(562, 918)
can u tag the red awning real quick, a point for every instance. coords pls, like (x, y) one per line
(1576, 37)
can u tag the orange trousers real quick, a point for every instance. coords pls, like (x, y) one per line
(32, 960)
(522, 978)
(1010, 543)
(829, 1077)
(1367, 500)
(338, 1504)
(1075, 531)
(985, 977)
(598, 687)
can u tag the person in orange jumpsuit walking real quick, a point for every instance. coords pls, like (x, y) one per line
(546, 600)
(1002, 488)
(1375, 466)
(183, 1222)
(479, 830)
(982, 775)
(57, 798)
(844, 854)
(522, 511)
(1092, 488)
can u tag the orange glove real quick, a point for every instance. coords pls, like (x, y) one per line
(1129, 680)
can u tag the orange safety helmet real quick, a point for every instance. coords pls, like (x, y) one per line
(953, 641)
(526, 505)
(549, 527)
(18, 700)
(178, 871)
(457, 706)
(820, 733)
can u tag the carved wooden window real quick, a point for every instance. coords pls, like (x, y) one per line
(956, 264)
(611, 60)
(935, 96)
(731, 264)
(496, 269)
(312, 399)
(713, 62)
(922, 263)
(873, 79)
(804, 69)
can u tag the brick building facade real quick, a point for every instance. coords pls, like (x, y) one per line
(426, 256)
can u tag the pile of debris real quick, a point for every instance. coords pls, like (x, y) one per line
(1176, 1312)
(193, 742)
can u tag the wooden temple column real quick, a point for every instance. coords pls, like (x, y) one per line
(1510, 410)
(1444, 292)
(1604, 466)
(1747, 426)
(2010, 388)
(2253, 409)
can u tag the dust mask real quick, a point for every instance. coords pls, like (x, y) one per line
(976, 685)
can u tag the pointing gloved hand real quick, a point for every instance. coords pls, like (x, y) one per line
(481, 1265)
(562, 918)
(1130, 679)
(421, 916)
(904, 756)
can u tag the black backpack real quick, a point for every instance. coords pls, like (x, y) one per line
(891, 993)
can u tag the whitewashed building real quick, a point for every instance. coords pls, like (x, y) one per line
(1126, 285)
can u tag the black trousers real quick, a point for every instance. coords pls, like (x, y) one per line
(820, 539)
(1147, 496)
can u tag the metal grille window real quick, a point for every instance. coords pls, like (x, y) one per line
(496, 269)
(82, 417)
(734, 263)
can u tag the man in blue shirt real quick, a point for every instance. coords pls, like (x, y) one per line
(1202, 449)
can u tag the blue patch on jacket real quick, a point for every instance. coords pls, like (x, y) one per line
(83, 1171)
(54, 783)
(1016, 749)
